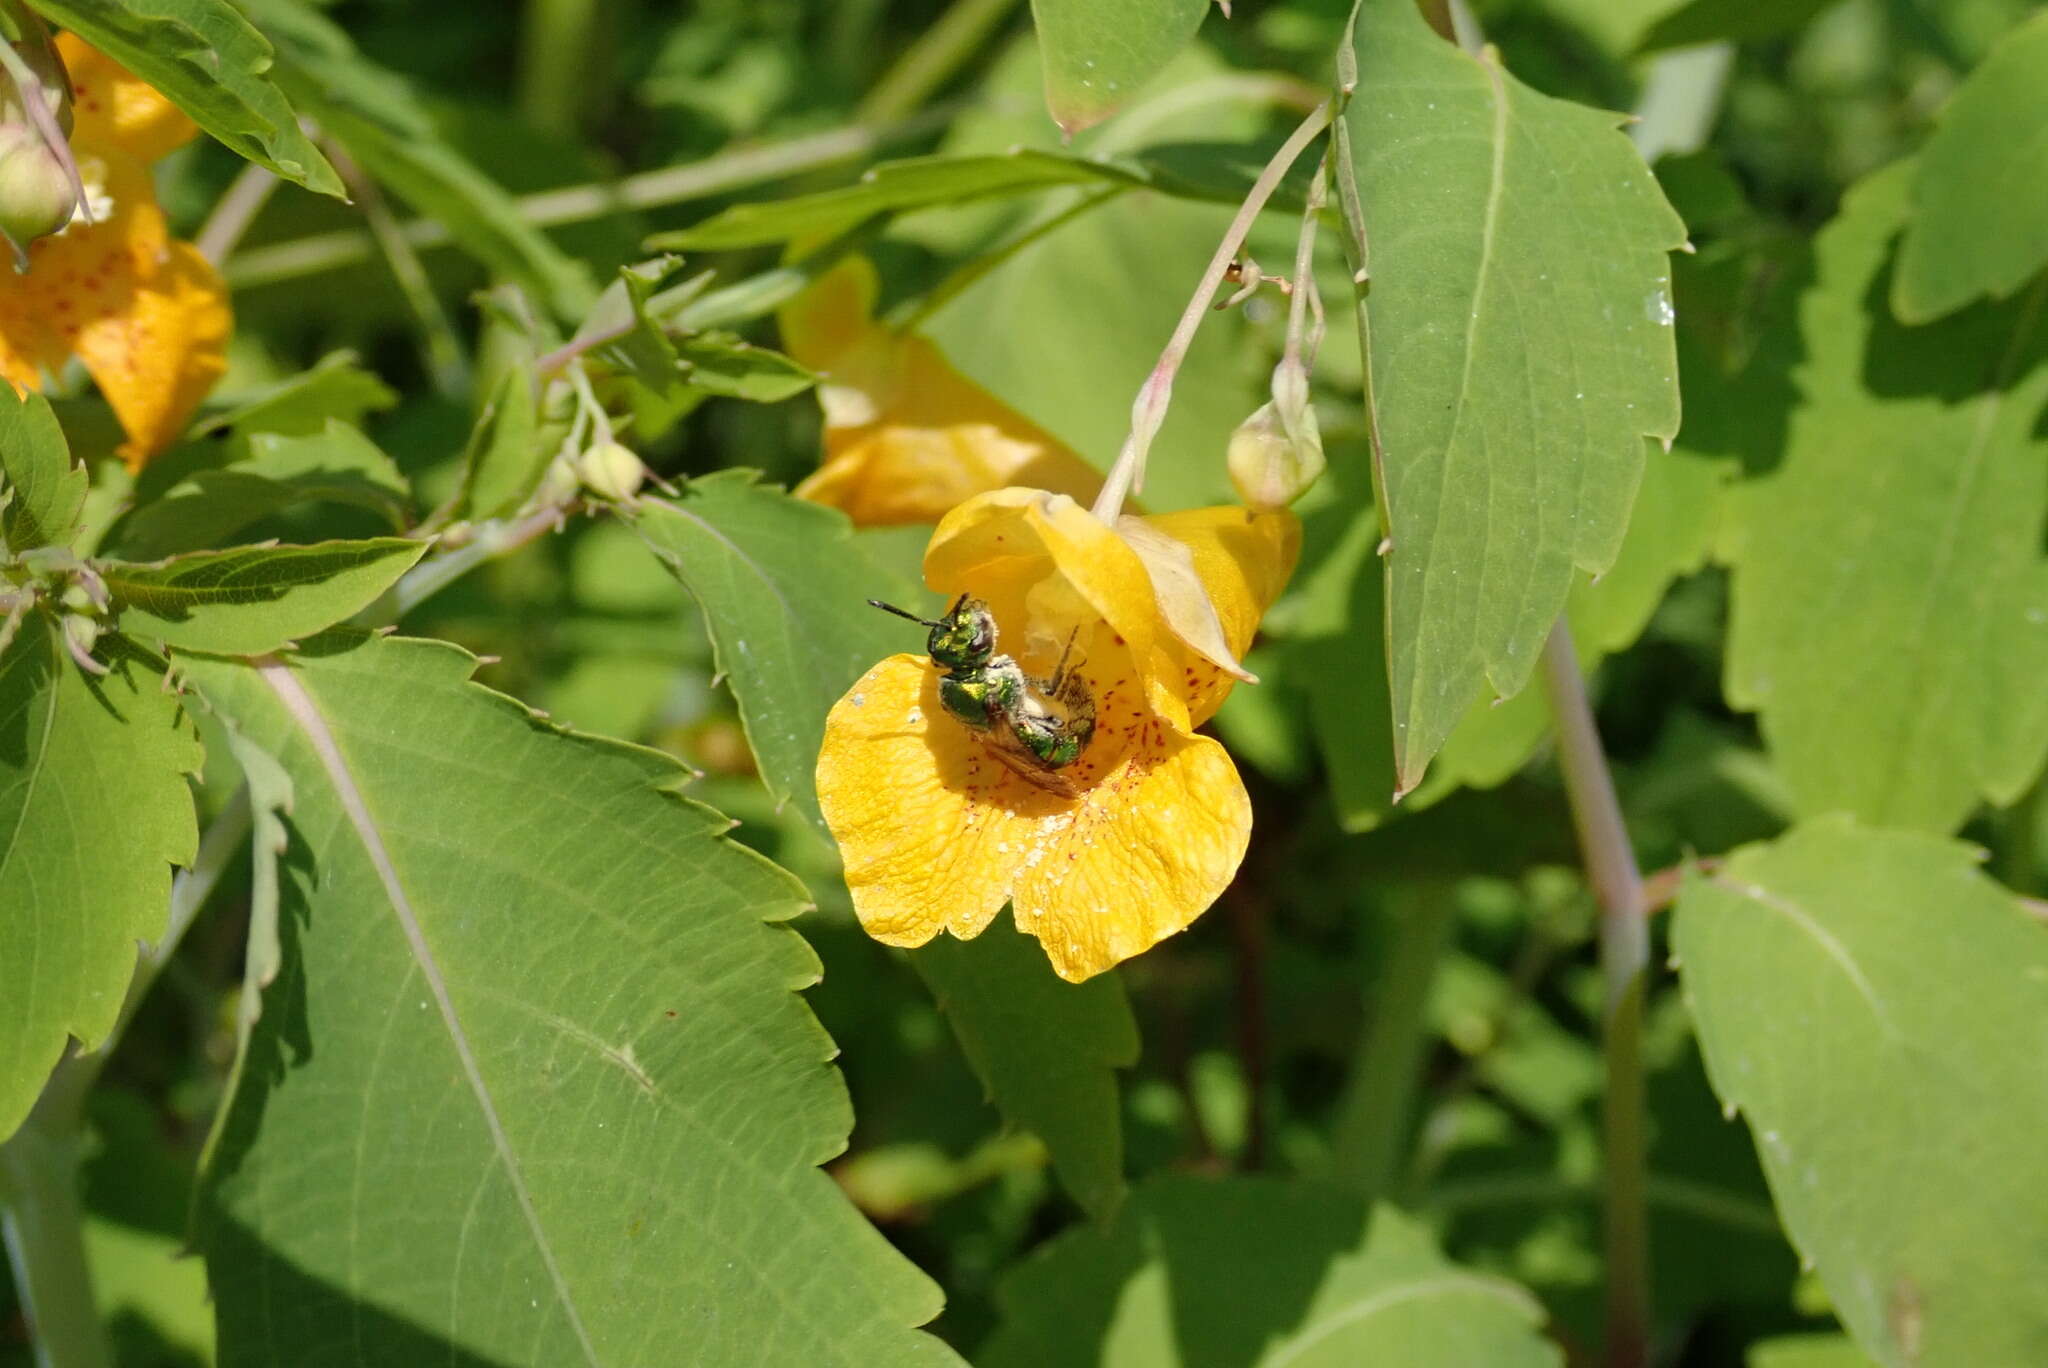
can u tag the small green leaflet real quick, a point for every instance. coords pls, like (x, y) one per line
(41, 491)
(1099, 53)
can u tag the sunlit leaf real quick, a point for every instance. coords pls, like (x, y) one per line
(41, 491)
(94, 811)
(1980, 196)
(1518, 322)
(1890, 600)
(206, 59)
(254, 599)
(519, 1155)
(1877, 1009)
(1098, 53)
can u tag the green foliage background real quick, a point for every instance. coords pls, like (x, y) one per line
(495, 1045)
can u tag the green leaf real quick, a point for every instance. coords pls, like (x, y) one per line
(335, 388)
(895, 187)
(254, 599)
(1980, 197)
(41, 491)
(1259, 1272)
(1890, 600)
(271, 473)
(605, 1156)
(1338, 658)
(782, 585)
(204, 58)
(1518, 324)
(1046, 1050)
(1738, 21)
(1878, 1011)
(506, 459)
(1099, 52)
(375, 117)
(94, 811)
(1807, 1351)
(723, 364)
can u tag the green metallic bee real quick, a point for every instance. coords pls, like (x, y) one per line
(1035, 726)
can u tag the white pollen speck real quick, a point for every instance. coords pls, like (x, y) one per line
(1002, 847)
(916, 716)
(860, 700)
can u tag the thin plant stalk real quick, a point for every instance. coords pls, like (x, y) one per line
(1148, 411)
(1624, 970)
(933, 59)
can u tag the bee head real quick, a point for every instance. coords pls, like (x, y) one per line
(964, 639)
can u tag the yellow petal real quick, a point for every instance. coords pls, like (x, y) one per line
(907, 437)
(937, 833)
(1243, 558)
(1045, 565)
(157, 357)
(111, 107)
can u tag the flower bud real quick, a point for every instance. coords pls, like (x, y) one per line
(1277, 453)
(36, 193)
(610, 471)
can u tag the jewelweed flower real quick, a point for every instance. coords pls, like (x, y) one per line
(1143, 831)
(907, 437)
(146, 315)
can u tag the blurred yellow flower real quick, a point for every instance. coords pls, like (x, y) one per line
(147, 316)
(907, 437)
(1140, 834)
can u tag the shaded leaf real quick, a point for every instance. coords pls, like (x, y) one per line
(1807, 1351)
(506, 459)
(1259, 1271)
(781, 584)
(1890, 600)
(1518, 324)
(1980, 194)
(254, 599)
(334, 389)
(203, 56)
(1878, 1011)
(271, 473)
(94, 811)
(554, 1167)
(1046, 1050)
(376, 119)
(1099, 52)
(41, 491)
(1738, 21)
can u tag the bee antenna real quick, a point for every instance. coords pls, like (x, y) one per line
(899, 612)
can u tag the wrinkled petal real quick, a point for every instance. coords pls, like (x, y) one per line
(907, 437)
(1244, 558)
(937, 833)
(113, 108)
(156, 359)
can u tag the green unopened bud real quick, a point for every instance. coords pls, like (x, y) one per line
(1277, 453)
(36, 193)
(32, 69)
(83, 633)
(610, 471)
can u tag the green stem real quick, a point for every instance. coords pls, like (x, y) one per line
(44, 1226)
(234, 211)
(446, 364)
(939, 52)
(1374, 1112)
(556, 52)
(668, 185)
(1624, 967)
(1148, 411)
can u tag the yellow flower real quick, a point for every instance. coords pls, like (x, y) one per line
(147, 316)
(937, 832)
(907, 437)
